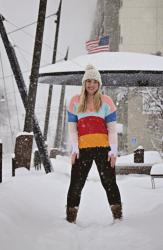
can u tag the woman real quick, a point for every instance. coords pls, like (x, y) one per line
(92, 128)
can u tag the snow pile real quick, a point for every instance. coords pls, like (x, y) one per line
(120, 128)
(32, 212)
(157, 169)
(24, 133)
(150, 158)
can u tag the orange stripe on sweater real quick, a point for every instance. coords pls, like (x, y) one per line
(93, 140)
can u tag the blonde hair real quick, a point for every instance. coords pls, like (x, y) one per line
(97, 100)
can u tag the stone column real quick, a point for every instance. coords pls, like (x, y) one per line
(106, 22)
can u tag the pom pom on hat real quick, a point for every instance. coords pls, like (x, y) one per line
(91, 73)
(89, 66)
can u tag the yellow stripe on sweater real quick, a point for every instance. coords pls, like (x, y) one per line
(93, 140)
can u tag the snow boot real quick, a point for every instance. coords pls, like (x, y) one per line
(116, 211)
(71, 214)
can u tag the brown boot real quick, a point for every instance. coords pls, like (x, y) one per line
(116, 211)
(71, 213)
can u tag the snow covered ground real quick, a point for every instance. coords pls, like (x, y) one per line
(32, 212)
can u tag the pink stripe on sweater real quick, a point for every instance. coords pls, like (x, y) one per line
(109, 101)
(74, 99)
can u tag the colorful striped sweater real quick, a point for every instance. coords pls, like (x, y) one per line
(93, 129)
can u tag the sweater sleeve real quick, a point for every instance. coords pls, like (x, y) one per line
(72, 124)
(111, 121)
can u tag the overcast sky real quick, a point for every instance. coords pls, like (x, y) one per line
(76, 23)
(75, 27)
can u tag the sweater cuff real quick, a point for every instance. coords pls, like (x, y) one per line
(75, 148)
(114, 150)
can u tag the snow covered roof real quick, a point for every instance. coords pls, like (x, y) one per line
(108, 61)
(115, 68)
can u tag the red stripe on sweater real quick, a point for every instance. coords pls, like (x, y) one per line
(92, 125)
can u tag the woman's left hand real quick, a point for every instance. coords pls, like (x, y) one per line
(112, 160)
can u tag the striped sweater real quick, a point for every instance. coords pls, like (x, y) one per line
(93, 129)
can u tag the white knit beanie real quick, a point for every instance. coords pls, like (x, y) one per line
(91, 73)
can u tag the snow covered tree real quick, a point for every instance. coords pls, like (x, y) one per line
(153, 104)
(152, 107)
(153, 101)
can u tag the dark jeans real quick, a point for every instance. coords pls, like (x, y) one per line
(80, 170)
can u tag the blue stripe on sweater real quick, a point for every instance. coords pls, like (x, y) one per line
(72, 117)
(111, 117)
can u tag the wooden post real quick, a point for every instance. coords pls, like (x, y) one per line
(23, 151)
(13, 167)
(58, 136)
(37, 160)
(48, 107)
(0, 162)
(28, 126)
(139, 155)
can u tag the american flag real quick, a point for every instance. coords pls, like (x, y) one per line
(98, 45)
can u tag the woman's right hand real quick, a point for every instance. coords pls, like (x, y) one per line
(74, 153)
(73, 157)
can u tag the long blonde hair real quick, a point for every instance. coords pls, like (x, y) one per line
(97, 100)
